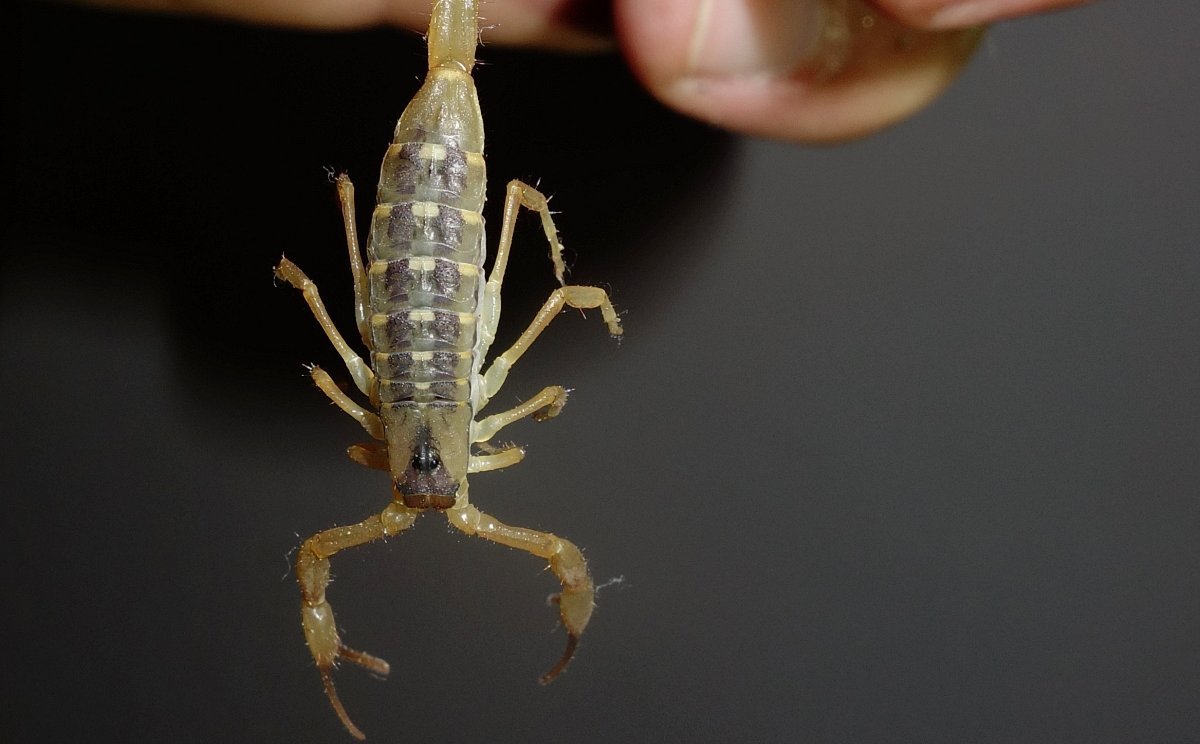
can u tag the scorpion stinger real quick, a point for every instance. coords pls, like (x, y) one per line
(428, 317)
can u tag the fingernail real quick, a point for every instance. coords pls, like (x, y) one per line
(752, 38)
(970, 12)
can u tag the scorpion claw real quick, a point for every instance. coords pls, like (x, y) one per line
(372, 664)
(336, 702)
(568, 654)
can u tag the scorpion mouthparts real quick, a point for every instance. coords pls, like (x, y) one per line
(439, 501)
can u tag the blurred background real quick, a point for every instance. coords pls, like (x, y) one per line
(902, 443)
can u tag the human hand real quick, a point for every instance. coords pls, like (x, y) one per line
(802, 70)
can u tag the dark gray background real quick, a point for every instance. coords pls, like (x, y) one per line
(902, 444)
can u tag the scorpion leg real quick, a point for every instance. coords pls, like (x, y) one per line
(372, 455)
(345, 189)
(545, 405)
(519, 194)
(368, 420)
(574, 603)
(573, 295)
(495, 460)
(312, 572)
(291, 273)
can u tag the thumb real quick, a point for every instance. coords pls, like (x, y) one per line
(805, 70)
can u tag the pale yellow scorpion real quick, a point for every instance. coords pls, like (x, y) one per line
(427, 315)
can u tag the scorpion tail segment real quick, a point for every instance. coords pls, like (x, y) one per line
(453, 34)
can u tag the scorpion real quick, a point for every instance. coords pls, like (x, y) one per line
(427, 314)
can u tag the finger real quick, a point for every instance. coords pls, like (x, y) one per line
(944, 14)
(550, 24)
(325, 14)
(805, 70)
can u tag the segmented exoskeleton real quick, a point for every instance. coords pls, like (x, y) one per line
(427, 317)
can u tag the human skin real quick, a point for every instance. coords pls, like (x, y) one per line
(800, 70)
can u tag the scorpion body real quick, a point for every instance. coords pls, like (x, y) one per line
(428, 316)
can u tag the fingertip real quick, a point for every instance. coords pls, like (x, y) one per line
(654, 36)
(950, 14)
(849, 74)
(559, 25)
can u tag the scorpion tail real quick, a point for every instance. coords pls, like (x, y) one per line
(453, 34)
